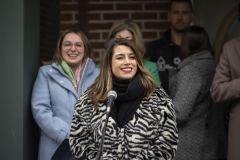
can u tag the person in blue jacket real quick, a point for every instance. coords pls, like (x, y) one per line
(57, 88)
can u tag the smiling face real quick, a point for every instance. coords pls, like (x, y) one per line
(72, 50)
(180, 16)
(124, 63)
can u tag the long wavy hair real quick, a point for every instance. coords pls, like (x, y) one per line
(132, 27)
(88, 53)
(104, 82)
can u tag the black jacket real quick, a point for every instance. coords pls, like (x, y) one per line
(167, 56)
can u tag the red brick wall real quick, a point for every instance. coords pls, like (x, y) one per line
(95, 18)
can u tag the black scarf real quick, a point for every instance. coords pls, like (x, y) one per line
(129, 97)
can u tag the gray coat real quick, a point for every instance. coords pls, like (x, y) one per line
(200, 121)
(53, 101)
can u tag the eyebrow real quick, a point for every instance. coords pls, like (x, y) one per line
(71, 42)
(122, 37)
(122, 54)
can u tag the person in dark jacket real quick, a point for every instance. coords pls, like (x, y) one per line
(166, 51)
(202, 133)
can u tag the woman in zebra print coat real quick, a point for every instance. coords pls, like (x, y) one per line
(142, 122)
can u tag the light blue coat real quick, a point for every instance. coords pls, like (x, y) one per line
(53, 101)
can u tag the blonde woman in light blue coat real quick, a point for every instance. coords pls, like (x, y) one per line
(57, 88)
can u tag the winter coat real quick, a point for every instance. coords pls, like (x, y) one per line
(226, 87)
(201, 126)
(53, 101)
(150, 134)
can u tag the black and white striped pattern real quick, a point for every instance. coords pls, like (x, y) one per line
(150, 134)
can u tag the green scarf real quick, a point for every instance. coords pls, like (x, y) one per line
(70, 73)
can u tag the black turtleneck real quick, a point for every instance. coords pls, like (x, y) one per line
(129, 97)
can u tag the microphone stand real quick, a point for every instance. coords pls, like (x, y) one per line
(100, 149)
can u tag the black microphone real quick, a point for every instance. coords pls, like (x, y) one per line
(112, 95)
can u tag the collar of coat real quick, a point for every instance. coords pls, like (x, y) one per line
(88, 68)
(197, 56)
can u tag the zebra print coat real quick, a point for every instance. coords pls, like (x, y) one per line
(150, 134)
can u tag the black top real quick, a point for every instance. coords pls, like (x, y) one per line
(129, 97)
(167, 56)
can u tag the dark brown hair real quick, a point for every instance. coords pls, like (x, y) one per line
(87, 47)
(104, 82)
(195, 40)
(181, 1)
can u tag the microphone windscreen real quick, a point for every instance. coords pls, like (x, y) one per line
(112, 93)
